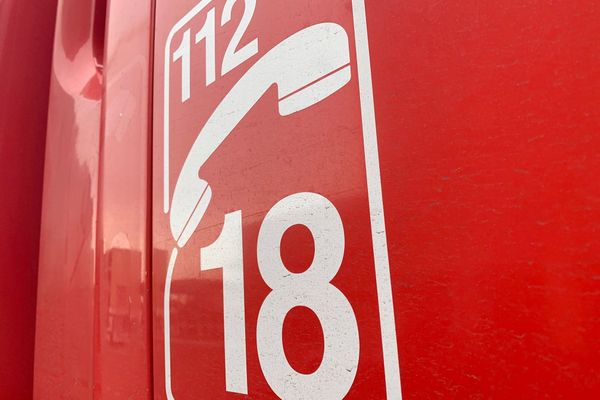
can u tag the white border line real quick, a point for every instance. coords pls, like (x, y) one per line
(167, 323)
(382, 264)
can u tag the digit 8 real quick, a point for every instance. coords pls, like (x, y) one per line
(311, 289)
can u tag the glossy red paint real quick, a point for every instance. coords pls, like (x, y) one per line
(93, 336)
(487, 117)
(487, 114)
(124, 349)
(488, 125)
(25, 58)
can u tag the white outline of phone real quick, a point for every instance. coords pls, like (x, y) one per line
(373, 173)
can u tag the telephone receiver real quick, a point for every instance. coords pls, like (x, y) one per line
(306, 67)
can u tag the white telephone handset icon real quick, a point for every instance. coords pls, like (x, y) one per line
(306, 67)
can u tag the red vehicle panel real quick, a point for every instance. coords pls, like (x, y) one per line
(299, 199)
(25, 59)
(93, 336)
(489, 163)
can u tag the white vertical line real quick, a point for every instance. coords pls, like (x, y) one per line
(167, 324)
(382, 264)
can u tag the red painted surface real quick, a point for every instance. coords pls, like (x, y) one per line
(25, 57)
(93, 337)
(123, 340)
(487, 117)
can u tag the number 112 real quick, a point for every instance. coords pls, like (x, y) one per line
(232, 58)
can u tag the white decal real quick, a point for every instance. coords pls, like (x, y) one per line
(232, 59)
(296, 66)
(387, 320)
(306, 68)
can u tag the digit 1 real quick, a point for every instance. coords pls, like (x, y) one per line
(208, 32)
(227, 253)
(183, 53)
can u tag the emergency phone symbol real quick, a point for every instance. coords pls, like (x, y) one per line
(307, 67)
